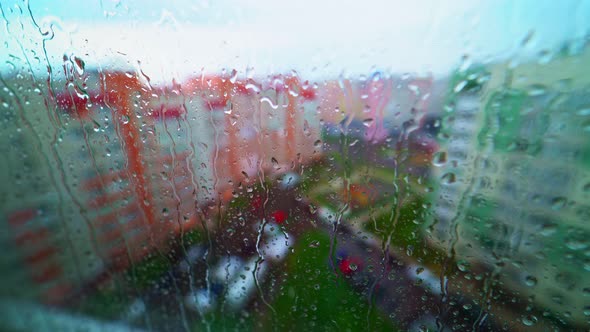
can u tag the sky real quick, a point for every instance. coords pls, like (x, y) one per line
(315, 38)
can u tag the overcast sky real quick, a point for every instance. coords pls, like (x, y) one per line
(316, 38)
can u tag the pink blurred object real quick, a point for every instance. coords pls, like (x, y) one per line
(379, 92)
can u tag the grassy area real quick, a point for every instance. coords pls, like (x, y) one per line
(314, 298)
(379, 215)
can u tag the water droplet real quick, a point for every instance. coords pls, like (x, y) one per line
(575, 244)
(79, 65)
(529, 320)
(234, 76)
(306, 128)
(545, 56)
(536, 90)
(548, 229)
(558, 203)
(125, 119)
(368, 122)
(439, 158)
(269, 102)
(527, 39)
(466, 62)
(312, 208)
(463, 266)
(229, 107)
(95, 126)
(530, 281)
(317, 144)
(253, 87)
(460, 86)
(448, 178)
(275, 163)
(294, 91)
(314, 244)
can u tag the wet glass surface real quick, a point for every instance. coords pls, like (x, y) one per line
(189, 166)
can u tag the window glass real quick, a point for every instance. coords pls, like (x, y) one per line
(297, 166)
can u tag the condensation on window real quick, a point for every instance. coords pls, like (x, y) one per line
(201, 165)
